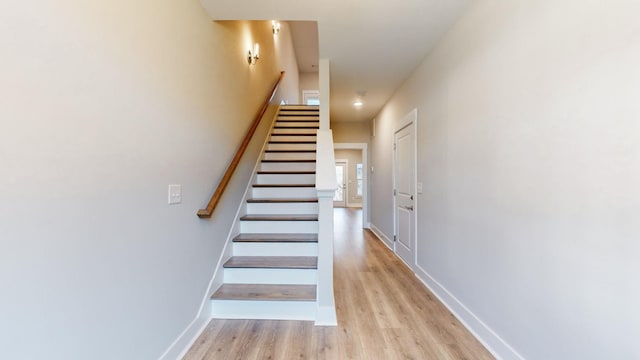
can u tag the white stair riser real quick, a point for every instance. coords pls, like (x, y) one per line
(292, 147)
(286, 179)
(294, 131)
(271, 276)
(292, 166)
(292, 138)
(284, 193)
(282, 208)
(274, 310)
(274, 249)
(290, 156)
(299, 113)
(300, 124)
(290, 109)
(300, 107)
(284, 227)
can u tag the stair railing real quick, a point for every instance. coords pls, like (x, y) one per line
(326, 185)
(217, 195)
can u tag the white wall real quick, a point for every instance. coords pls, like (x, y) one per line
(284, 57)
(350, 132)
(308, 81)
(102, 105)
(529, 154)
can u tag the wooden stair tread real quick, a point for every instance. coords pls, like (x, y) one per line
(288, 119)
(273, 262)
(263, 172)
(289, 160)
(283, 185)
(299, 113)
(293, 134)
(289, 238)
(290, 151)
(290, 200)
(287, 217)
(265, 292)
(291, 142)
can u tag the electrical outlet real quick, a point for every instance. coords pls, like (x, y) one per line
(175, 194)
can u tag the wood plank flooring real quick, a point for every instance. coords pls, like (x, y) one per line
(265, 292)
(273, 262)
(384, 312)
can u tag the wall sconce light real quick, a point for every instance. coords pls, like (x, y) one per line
(253, 57)
(275, 25)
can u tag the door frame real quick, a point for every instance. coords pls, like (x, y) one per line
(345, 176)
(365, 177)
(310, 94)
(409, 119)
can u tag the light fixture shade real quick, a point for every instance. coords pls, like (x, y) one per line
(275, 25)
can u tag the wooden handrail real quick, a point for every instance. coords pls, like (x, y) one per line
(208, 211)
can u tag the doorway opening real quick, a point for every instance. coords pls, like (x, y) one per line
(357, 188)
(341, 194)
(311, 97)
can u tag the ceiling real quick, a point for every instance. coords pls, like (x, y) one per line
(373, 45)
(305, 45)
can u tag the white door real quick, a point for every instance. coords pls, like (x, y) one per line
(340, 196)
(404, 181)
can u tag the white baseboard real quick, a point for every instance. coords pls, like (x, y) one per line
(178, 349)
(381, 236)
(499, 348)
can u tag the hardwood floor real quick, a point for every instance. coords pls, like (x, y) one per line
(384, 312)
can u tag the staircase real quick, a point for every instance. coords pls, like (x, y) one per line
(273, 271)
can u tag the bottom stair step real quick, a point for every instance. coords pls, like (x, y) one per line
(265, 292)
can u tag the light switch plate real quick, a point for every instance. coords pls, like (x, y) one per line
(175, 194)
(419, 187)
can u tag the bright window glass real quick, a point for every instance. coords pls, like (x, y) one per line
(359, 179)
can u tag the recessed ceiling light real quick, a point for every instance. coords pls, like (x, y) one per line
(357, 103)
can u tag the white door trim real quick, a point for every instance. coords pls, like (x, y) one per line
(365, 176)
(410, 118)
(306, 94)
